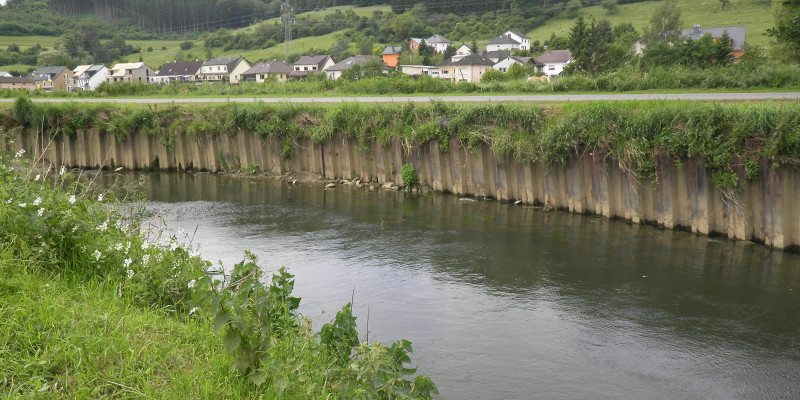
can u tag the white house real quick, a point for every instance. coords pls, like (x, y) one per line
(464, 50)
(437, 42)
(335, 71)
(308, 64)
(184, 71)
(505, 64)
(129, 72)
(87, 77)
(224, 69)
(553, 62)
(511, 40)
(420, 70)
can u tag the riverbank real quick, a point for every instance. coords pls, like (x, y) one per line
(94, 306)
(717, 169)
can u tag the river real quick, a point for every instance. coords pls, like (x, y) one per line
(512, 302)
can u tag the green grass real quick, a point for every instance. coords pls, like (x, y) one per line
(156, 58)
(756, 15)
(16, 67)
(25, 42)
(69, 339)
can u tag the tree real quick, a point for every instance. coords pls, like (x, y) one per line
(610, 6)
(339, 48)
(590, 45)
(787, 30)
(573, 7)
(664, 24)
(449, 52)
(372, 68)
(365, 46)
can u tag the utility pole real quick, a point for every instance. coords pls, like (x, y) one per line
(287, 17)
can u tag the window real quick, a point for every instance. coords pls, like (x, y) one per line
(551, 68)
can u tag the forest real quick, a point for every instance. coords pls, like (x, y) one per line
(55, 17)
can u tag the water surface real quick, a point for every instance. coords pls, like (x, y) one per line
(504, 301)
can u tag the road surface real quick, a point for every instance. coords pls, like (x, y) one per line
(548, 98)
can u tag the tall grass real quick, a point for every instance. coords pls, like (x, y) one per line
(735, 77)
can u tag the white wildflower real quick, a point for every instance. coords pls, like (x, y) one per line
(118, 247)
(127, 263)
(130, 273)
(9, 201)
(145, 259)
(181, 231)
(100, 197)
(193, 310)
(72, 199)
(20, 153)
(97, 255)
(191, 283)
(62, 171)
(37, 201)
(23, 204)
(36, 179)
(103, 227)
(159, 257)
(145, 245)
(75, 228)
(127, 247)
(41, 211)
(173, 245)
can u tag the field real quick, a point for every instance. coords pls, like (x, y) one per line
(25, 42)
(756, 15)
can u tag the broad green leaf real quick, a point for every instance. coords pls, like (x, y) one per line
(231, 340)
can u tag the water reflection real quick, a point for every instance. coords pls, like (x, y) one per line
(507, 301)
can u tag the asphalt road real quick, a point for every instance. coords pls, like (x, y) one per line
(458, 99)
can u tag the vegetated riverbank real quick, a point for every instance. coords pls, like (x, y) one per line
(725, 136)
(736, 77)
(93, 306)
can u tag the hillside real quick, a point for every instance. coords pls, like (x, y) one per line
(756, 15)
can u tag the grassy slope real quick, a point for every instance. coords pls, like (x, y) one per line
(91, 343)
(754, 14)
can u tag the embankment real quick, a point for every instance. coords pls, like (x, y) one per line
(713, 169)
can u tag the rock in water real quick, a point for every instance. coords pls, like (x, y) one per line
(330, 186)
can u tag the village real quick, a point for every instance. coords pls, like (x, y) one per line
(462, 63)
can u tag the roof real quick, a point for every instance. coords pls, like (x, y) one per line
(467, 60)
(503, 39)
(89, 72)
(269, 67)
(79, 70)
(438, 39)
(48, 72)
(179, 68)
(118, 69)
(518, 33)
(347, 63)
(499, 54)
(5, 73)
(14, 79)
(391, 50)
(522, 60)
(313, 60)
(554, 57)
(229, 62)
(736, 33)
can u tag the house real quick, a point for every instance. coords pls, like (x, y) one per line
(469, 68)
(335, 71)
(505, 64)
(184, 71)
(552, 62)
(266, 69)
(51, 78)
(16, 83)
(5, 74)
(129, 72)
(87, 77)
(496, 55)
(391, 55)
(524, 40)
(736, 33)
(511, 40)
(464, 49)
(420, 70)
(224, 69)
(312, 63)
(436, 42)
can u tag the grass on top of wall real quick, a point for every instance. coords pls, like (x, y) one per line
(731, 138)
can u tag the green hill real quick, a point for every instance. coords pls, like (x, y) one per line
(756, 15)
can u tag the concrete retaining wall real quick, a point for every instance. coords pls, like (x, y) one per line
(682, 197)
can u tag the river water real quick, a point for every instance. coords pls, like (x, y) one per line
(512, 302)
